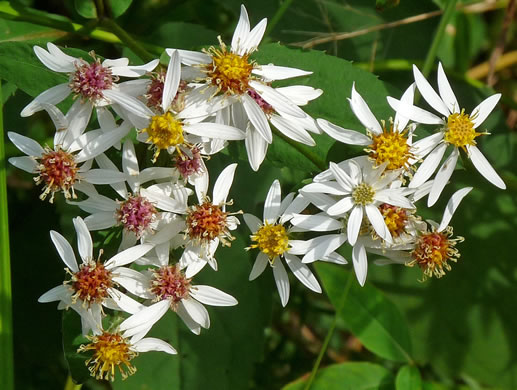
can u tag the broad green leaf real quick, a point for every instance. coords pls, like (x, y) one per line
(408, 378)
(72, 339)
(119, 7)
(181, 35)
(335, 77)
(8, 90)
(368, 314)
(86, 8)
(27, 32)
(348, 376)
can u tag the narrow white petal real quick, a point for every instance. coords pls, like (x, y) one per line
(442, 177)
(103, 176)
(147, 316)
(189, 57)
(451, 207)
(253, 222)
(281, 280)
(25, 144)
(128, 256)
(164, 202)
(55, 294)
(446, 93)
(360, 262)
(212, 296)
(316, 223)
(129, 103)
(279, 102)
(484, 167)
(273, 72)
(426, 170)
(341, 207)
(354, 224)
(153, 344)
(256, 147)
(197, 311)
(429, 94)
(328, 187)
(363, 112)
(55, 63)
(376, 219)
(135, 70)
(125, 302)
(133, 281)
(65, 250)
(223, 183)
(272, 203)
(241, 31)
(414, 113)
(400, 122)
(302, 273)
(100, 221)
(323, 249)
(342, 177)
(25, 163)
(254, 37)
(424, 146)
(102, 143)
(259, 266)
(292, 130)
(257, 117)
(481, 112)
(52, 95)
(340, 134)
(172, 80)
(84, 239)
(215, 130)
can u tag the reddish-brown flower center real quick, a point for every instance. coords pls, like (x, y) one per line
(169, 282)
(395, 218)
(206, 221)
(189, 165)
(91, 282)
(59, 171)
(136, 214)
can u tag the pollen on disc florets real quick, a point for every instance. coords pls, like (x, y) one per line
(155, 92)
(265, 106)
(271, 239)
(90, 80)
(189, 165)
(395, 218)
(460, 130)
(136, 214)
(91, 283)
(390, 147)
(110, 351)
(228, 71)
(164, 131)
(59, 171)
(207, 221)
(363, 194)
(433, 251)
(170, 283)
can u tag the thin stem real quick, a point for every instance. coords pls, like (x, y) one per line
(277, 16)
(309, 154)
(70, 385)
(6, 315)
(128, 40)
(431, 54)
(330, 332)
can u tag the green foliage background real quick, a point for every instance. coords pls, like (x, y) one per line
(458, 332)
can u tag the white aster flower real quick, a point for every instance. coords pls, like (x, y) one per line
(458, 129)
(169, 288)
(60, 169)
(272, 239)
(92, 84)
(92, 284)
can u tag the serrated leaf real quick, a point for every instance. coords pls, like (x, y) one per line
(348, 376)
(408, 378)
(368, 314)
(86, 8)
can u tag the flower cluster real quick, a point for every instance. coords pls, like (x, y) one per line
(171, 225)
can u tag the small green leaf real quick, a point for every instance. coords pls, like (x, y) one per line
(118, 7)
(369, 315)
(348, 376)
(408, 378)
(86, 8)
(72, 339)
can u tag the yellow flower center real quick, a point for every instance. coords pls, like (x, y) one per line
(460, 130)
(395, 218)
(110, 351)
(229, 72)
(433, 251)
(392, 147)
(363, 194)
(271, 240)
(164, 131)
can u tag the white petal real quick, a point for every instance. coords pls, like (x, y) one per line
(254, 37)
(84, 240)
(302, 273)
(429, 94)
(135, 70)
(197, 311)
(484, 167)
(480, 113)
(329, 187)
(25, 144)
(349, 137)
(341, 207)
(172, 80)
(128, 256)
(257, 117)
(133, 281)
(100, 221)
(316, 223)
(300, 94)
(451, 207)
(103, 176)
(292, 130)
(414, 113)
(446, 93)
(144, 318)
(256, 147)
(330, 244)
(55, 63)
(223, 183)
(215, 130)
(425, 145)
(272, 203)
(153, 344)
(212, 296)
(259, 266)
(354, 224)
(273, 72)
(241, 31)
(189, 57)
(129, 103)
(55, 294)
(253, 222)
(164, 202)
(65, 250)
(426, 170)
(25, 163)
(52, 95)
(442, 177)
(279, 102)
(281, 280)
(363, 112)
(102, 143)
(376, 219)
(400, 122)
(342, 177)
(125, 302)
(360, 262)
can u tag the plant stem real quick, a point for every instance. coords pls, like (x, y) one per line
(70, 385)
(6, 315)
(277, 16)
(309, 154)
(431, 54)
(330, 332)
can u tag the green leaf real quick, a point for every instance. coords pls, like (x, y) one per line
(370, 316)
(408, 378)
(348, 376)
(119, 7)
(86, 8)
(72, 339)
(27, 32)
(182, 35)
(381, 5)
(335, 77)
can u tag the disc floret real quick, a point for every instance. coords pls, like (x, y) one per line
(91, 283)
(90, 80)
(460, 130)
(363, 194)
(136, 214)
(110, 351)
(265, 106)
(395, 218)
(207, 221)
(271, 239)
(169, 282)
(189, 164)
(59, 171)
(164, 131)
(390, 147)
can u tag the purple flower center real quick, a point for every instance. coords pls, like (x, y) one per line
(90, 80)
(265, 106)
(136, 214)
(189, 165)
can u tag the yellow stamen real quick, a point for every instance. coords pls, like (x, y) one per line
(271, 240)
(164, 131)
(363, 194)
(460, 130)
(390, 147)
